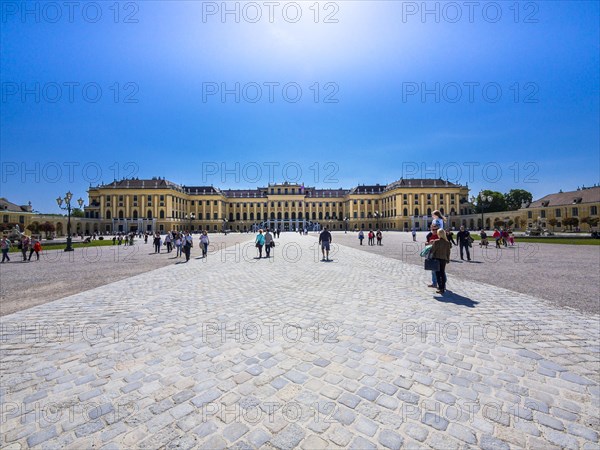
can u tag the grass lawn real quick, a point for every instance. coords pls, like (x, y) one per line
(546, 240)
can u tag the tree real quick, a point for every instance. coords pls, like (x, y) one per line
(585, 220)
(77, 212)
(516, 197)
(593, 222)
(497, 204)
(552, 223)
(7, 226)
(33, 227)
(47, 228)
(498, 223)
(570, 222)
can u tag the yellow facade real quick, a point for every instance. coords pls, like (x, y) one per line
(161, 205)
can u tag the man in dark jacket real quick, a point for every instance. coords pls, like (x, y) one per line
(325, 240)
(464, 242)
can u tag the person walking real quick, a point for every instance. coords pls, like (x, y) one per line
(431, 237)
(441, 252)
(187, 246)
(361, 236)
(178, 245)
(5, 247)
(379, 236)
(25, 242)
(37, 248)
(371, 237)
(204, 241)
(157, 242)
(325, 242)
(484, 240)
(464, 242)
(260, 242)
(278, 232)
(497, 236)
(269, 242)
(414, 235)
(169, 242)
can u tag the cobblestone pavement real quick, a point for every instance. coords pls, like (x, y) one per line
(566, 275)
(58, 274)
(292, 352)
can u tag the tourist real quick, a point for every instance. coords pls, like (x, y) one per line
(325, 241)
(278, 232)
(371, 236)
(414, 234)
(379, 237)
(157, 242)
(37, 248)
(25, 242)
(438, 219)
(498, 237)
(269, 242)
(431, 237)
(511, 238)
(5, 246)
(484, 241)
(146, 238)
(204, 243)
(361, 236)
(178, 245)
(114, 240)
(464, 242)
(187, 246)
(168, 242)
(260, 242)
(504, 235)
(441, 252)
(450, 236)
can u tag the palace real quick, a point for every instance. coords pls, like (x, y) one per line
(161, 205)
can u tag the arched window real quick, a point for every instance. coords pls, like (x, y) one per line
(108, 215)
(428, 211)
(314, 216)
(161, 213)
(245, 216)
(149, 215)
(286, 215)
(120, 214)
(272, 215)
(416, 211)
(135, 214)
(405, 212)
(293, 216)
(279, 215)
(300, 215)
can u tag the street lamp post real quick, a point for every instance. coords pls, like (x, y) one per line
(192, 216)
(67, 207)
(224, 225)
(346, 223)
(377, 214)
(484, 198)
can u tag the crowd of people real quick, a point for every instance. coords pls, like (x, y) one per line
(439, 243)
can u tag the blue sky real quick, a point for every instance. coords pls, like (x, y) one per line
(526, 115)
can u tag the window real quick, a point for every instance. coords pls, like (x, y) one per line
(594, 210)
(575, 211)
(557, 213)
(529, 214)
(368, 202)
(5, 218)
(214, 216)
(199, 216)
(214, 203)
(108, 216)
(162, 198)
(543, 214)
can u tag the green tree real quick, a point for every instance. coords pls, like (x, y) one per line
(47, 228)
(516, 197)
(497, 204)
(552, 223)
(77, 212)
(593, 222)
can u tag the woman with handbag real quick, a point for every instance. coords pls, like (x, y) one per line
(440, 251)
(260, 242)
